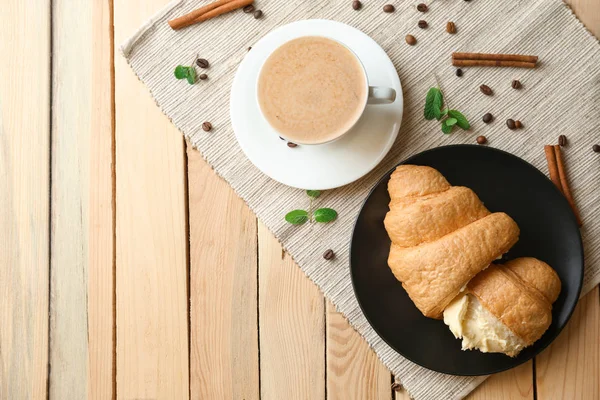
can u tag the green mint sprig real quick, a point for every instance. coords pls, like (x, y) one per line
(434, 103)
(186, 72)
(297, 217)
(323, 215)
(183, 72)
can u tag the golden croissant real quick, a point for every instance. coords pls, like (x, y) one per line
(506, 307)
(443, 243)
(442, 236)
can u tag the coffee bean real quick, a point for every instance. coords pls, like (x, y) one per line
(518, 124)
(248, 9)
(481, 140)
(202, 63)
(487, 118)
(459, 72)
(357, 5)
(206, 126)
(388, 8)
(485, 89)
(422, 7)
(562, 140)
(596, 148)
(258, 14)
(329, 254)
(450, 27)
(396, 386)
(511, 123)
(516, 84)
(292, 145)
(410, 39)
(423, 24)
(203, 76)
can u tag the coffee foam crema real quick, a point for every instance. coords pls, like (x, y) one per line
(312, 90)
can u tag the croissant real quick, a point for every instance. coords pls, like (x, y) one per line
(506, 307)
(442, 236)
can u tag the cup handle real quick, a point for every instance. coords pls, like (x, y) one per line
(381, 95)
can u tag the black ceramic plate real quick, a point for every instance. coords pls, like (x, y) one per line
(504, 183)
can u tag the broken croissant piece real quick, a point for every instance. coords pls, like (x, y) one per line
(442, 236)
(506, 307)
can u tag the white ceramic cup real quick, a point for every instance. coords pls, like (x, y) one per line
(376, 95)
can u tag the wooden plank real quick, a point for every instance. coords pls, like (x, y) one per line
(71, 124)
(570, 367)
(292, 326)
(81, 265)
(101, 248)
(151, 235)
(24, 198)
(401, 394)
(353, 369)
(223, 288)
(513, 384)
(588, 11)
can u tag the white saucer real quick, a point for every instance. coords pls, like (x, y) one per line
(328, 165)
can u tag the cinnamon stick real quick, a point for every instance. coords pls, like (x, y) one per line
(207, 12)
(564, 183)
(553, 167)
(492, 63)
(495, 57)
(188, 19)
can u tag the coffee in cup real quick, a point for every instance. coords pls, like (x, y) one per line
(313, 90)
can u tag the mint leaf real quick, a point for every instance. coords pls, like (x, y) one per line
(447, 129)
(325, 215)
(181, 72)
(461, 120)
(433, 104)
(297, 217)
(313, 193)
(191, 78)
(451, 121)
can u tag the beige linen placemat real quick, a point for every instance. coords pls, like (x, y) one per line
(561, 96)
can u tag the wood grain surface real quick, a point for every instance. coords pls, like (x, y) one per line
(129, 270)
(292, 326)
(570, 367)
(151, 234)
(223, 288)
(24, 198)
(81, 104)
(353, 369)
(514, 384)
(101, 208)
(588, 11)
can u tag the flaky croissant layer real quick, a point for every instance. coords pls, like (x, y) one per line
(433, 273)
(480, 329)
(442, 236)
(506, 307)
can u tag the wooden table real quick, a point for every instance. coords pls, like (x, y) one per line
(129, 270)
